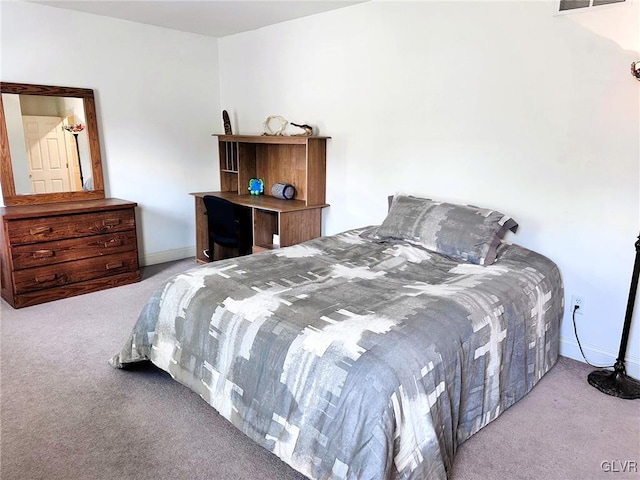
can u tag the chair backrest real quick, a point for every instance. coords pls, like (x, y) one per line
(222, 221)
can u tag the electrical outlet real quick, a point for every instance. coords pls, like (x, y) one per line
(577, 301)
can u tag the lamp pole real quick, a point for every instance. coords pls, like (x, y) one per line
(79, 162)
(617, 382)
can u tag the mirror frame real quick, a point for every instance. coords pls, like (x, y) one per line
(91, 127)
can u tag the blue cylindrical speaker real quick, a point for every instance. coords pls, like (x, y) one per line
(283, 190)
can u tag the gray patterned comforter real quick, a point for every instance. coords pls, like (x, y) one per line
(353, 359)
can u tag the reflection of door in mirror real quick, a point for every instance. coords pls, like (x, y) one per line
(47, 156)
(44, 156)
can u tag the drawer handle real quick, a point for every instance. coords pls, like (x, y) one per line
(46, 278)
(114, 242)
(39, 230)
(113, 265)
(110, 222)
(43, 253)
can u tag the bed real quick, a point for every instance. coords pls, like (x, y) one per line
(370, 354)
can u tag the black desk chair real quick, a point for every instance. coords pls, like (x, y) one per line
(229, 227)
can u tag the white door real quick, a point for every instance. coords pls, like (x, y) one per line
(46, 154)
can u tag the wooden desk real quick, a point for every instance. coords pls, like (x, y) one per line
(293, 220)
(296, 160)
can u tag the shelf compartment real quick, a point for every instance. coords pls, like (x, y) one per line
(228, 156)
(265, 225)
(228, 181)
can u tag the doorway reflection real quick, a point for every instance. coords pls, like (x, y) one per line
(44, 157)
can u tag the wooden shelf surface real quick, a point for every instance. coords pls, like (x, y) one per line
(264, 202)
(64, 208)
(268, 139)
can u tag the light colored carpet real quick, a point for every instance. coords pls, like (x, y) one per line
(66, 414)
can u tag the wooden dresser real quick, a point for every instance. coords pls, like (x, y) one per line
(58, 250)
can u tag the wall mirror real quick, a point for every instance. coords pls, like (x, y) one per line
(49, 144)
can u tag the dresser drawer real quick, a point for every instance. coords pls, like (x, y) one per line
(48, 253)
(39, 278)
(36, 230)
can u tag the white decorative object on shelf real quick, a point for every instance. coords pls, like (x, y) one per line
(268, 130)
(303, 130)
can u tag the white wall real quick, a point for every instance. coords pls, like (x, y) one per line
(157, 99)
(500, 104)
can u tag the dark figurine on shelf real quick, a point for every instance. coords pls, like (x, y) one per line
(227, 123)
(307, 129)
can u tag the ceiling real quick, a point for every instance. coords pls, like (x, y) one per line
(214, 18)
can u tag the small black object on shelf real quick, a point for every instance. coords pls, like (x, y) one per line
(617, 382)
(227, 123)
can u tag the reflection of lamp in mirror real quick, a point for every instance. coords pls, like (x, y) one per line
(75, 129)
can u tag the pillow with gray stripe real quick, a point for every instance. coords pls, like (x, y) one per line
(462, 232)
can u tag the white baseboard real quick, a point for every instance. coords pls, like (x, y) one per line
(598, 356)
(167, 256)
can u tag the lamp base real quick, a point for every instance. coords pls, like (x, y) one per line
(615, 383)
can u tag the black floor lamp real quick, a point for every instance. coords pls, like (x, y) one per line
(617, 382)
(75, 129)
